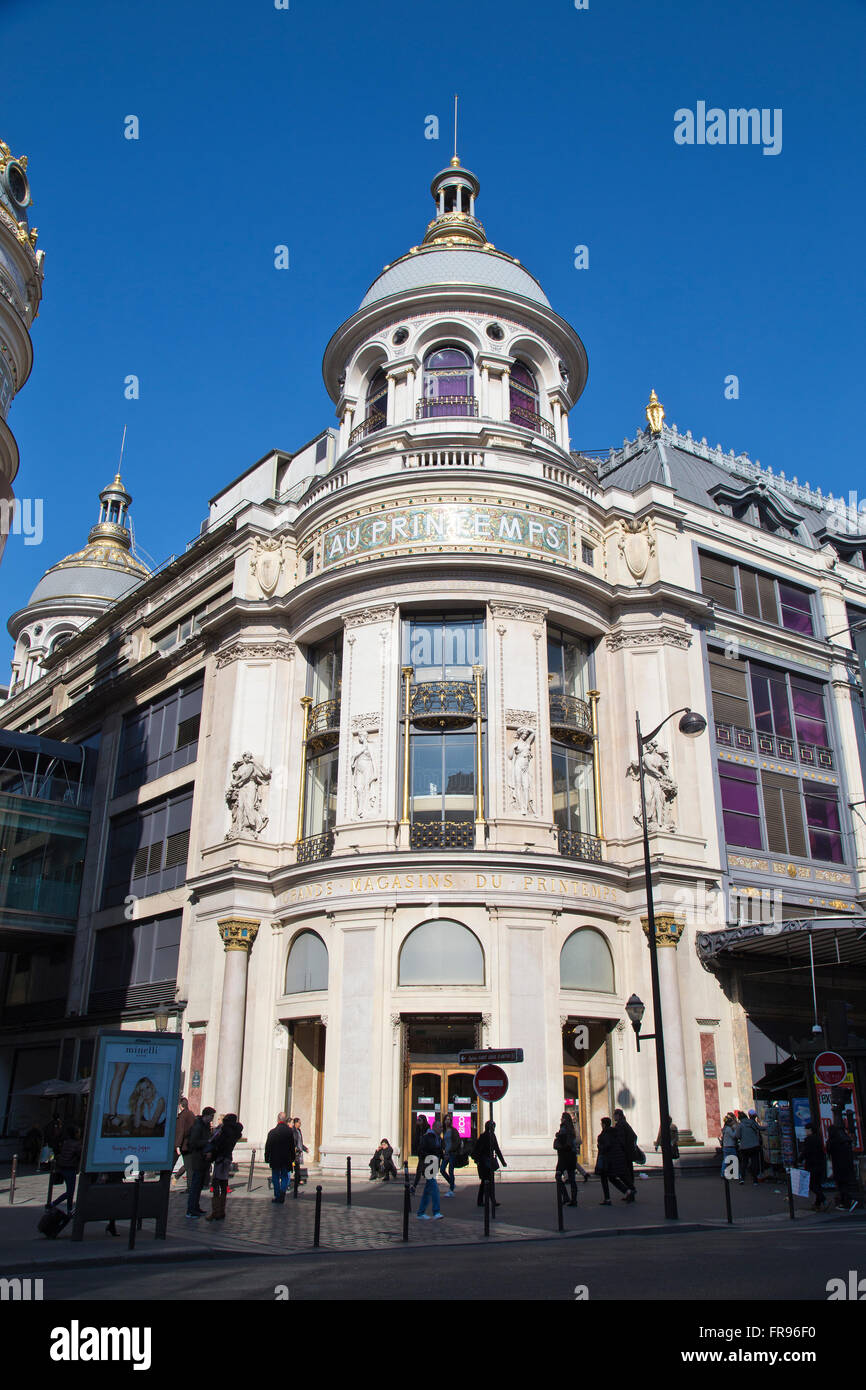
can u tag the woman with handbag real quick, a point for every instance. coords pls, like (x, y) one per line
(565, 1145)
(221, 1148)
(486, 1153)
(633, 1154)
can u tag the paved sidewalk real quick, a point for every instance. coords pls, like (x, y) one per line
(254, 1226)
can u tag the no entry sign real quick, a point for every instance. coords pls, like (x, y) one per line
(830, 1068)
(490, 1082)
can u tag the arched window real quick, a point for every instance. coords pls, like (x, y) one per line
(441, 953)
(307, 966)
(448, 384)
(523, 397)
(377, 402)
(586, 962)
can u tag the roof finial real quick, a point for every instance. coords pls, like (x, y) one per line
(655, 413)
(120, 460)
(455, 162)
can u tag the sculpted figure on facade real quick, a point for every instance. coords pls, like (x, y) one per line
(244, 797)
(520, 769)
(660, 788)
(267, 560)
(364, 776)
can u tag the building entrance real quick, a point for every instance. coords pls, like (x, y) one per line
(435, 1084)
(586, 1079)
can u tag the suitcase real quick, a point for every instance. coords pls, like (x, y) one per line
(52, 1222)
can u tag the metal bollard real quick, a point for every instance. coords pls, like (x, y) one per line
(492, 1196)
(252, 1166)
(487, 1207)
(136, 1198)
(50, 1185)
(348, 1182)
(406, 1206)
(317, 1223)
(296, 1181)
(790, 1194)
(727, 1183)
(14, 1176)
(559, 1216)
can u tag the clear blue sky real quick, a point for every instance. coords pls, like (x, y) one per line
(306, 127)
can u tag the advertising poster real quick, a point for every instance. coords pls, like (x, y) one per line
(802, 1114)
(825, 1112)
(133, 1102)
(786, 1133)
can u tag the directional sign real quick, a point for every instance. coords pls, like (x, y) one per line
(490, 1082)
(490, 1054)
(830, 1068)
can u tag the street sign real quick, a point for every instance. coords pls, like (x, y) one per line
(490, 1054)
(490, 1082)
(830, 1068)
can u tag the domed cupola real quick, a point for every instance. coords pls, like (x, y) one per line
(454, 192)
(78, 588)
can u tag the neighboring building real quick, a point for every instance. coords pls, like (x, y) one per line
(373, 733)
(21, 275)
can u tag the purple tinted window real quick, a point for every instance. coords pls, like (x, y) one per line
(448, 357)
(822, 818)
(796, 609)
(808, 698)
(522, 376)
(770, 697)
(739, 787)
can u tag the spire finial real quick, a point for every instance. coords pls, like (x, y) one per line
(455, 161)
(655, 413)
(120, 460)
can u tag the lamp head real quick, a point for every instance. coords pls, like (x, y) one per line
(692, 724)
(160, 1018)
(635, 1009)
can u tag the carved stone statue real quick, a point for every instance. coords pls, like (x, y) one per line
(244, 797)
(519, 773)
(363, 775)
(660, 788)
(267, 560)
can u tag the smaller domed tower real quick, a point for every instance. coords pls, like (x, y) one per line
(20, 293)
(77, 589)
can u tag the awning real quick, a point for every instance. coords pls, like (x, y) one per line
(834, 941)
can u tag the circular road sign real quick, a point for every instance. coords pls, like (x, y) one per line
(490, 1082)
(830, 1068)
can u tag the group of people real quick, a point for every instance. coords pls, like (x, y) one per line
(284, 1154)
(206, 1149)
(741, 1137)
(840, 1149)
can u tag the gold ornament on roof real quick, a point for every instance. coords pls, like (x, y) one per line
(655, 413)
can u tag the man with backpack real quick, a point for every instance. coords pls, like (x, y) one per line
(429, 1154)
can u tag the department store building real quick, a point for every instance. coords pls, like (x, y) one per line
(366, 786)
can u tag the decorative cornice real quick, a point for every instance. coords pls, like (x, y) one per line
(383, 614)
(521, 716)
(366, 721)
(238, 933)
(255, 651)
(650, 637)
(518, 612)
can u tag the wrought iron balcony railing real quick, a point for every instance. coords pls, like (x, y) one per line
(575, 845)
(373, 422)
(442, 704)
(316, 847)
(435, 407)
(789, 750)
(442, 834)
(570, 719)
(531, 421)
(323, 726)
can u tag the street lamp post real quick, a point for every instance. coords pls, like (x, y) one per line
(691, 724)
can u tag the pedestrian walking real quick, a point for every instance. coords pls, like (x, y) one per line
(222, 1146)
(488, 1157)
(675, 1139)
(728, 1141)
(422, 1124)
(429, 1155)
(565, 1145)
(300, 1146)
(813, 1159)
(628, 1142)
(450, 1150)
(749, 1145)
(612, 1166)
(198, 1164)
(578, 1139)
(185, 1122)
(280, 1155)
(68, 1158)
(841, 1151)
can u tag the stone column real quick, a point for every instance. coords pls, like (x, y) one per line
(238, 935)
(389, 409)
(669, 929)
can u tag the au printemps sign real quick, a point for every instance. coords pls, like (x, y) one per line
(452, 526)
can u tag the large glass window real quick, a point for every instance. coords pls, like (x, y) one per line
(133, 955)
(442, 777)
(377, 402)
(160, 737)
(523, 396)
(822, 819)
(320, 794)
(757, 595)
(326, 669)
(307, 966)
(567, 663)
(740, 807)
(448, 383)
(147, 849)
(445, 648)
(585, 962)
(573, 790)
(441, 953)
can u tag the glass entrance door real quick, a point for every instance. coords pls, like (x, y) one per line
(434, 1092)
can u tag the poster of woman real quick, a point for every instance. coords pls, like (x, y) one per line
(136, 1083)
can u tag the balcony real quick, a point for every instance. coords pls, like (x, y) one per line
(315, 847)
(442, 704)
(373, 422)
(575, 845)
(442, 834)
(532, 421)
(443, 407)
(570, 719)
(788, 750)
(323, 726)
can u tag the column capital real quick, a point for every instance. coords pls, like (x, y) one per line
(669, 928)
(238, 933)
